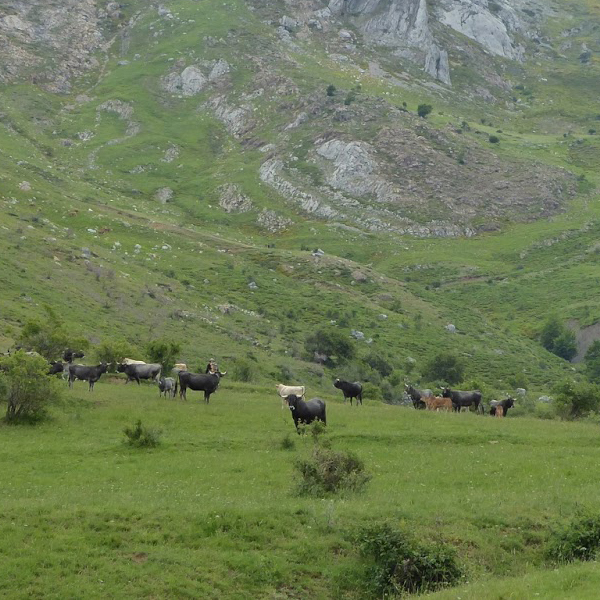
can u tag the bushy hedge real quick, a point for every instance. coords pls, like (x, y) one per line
(578, 540)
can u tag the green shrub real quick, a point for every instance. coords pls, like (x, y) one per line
(577, 540)
(140, 436)
(287, 443)
(329, 472)
(576, 399)
(331, 90)
(330, 342)
(113, 353)
(493, 139)
(444, 366)
(26, 388)
(242, 370)
(558, 339)
(397, 563)
(424, 109)
(164, 352)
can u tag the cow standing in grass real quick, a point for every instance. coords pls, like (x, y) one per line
(350, 390)
(90, 374)
(306, 412)
(199, 382)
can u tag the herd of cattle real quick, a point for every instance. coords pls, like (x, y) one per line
(303, 412)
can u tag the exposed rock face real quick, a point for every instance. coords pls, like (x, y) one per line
(475, 20)
(189, 82)
(272, 222)
(400, 24)
(164, 195)
(232, 200)
(68, 32)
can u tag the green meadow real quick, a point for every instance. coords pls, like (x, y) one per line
(212, 512)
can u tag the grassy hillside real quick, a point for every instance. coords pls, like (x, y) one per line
(211, 512)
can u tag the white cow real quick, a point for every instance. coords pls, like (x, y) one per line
(180, 367)
(130, 361)
(287, 390)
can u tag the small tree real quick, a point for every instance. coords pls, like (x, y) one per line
(26, 388)
(331, 343)
(558, 339)
(164, 352)
(424, 109)
(49, 337)
(576, 399)
(493, 139)
(444, 366)
(331, 90)
(592, 362)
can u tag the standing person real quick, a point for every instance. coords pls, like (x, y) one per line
(211, 367)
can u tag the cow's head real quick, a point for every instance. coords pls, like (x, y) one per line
(446, 392)
(337, 383)
(121, 368)
(509, 402)
(292, 401)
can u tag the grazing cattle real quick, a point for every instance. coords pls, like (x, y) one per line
(417, 396)
(69, 355)
(180, 367)
(199, 382)
(438, 403)
(462, 399)
(502, 406)
(55, 366)
(130, 361)
(350, 390)
(140, 371)
(167, 385)
(306, 412)
(91, 374)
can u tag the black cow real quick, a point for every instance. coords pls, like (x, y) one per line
(417, 395)
(505, 404)
(91, 374)
(460, 399)
(350, 390)
(199, 382)
(137, 372)
(69, 355)
(306, 412)
(55, 367)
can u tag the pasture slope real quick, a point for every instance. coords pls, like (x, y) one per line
(210, 513)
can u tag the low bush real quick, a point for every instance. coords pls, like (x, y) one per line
(329, 472)
(397, 563)
(140, 436)
(577, 540)
(287, 443)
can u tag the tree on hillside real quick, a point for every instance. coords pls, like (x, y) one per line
(424, 109)
(592, 362)
(113, 352)
(331, 343)
(26, 388)
(444, 366)
(558, 339)
(49, 336)
(164, 352)
(576, 399)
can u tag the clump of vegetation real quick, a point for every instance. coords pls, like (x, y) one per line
(444, 366)
(397, 563)
(330, 472)
(331, 343)
(243, 370)
(577, 540)
(26, 388)
(140, 436)
(574, 400)
(424, 109)
(113, 352)
(592, 362)
(493, 139)
(287, 443)
(558, 338)
(49, 337)
(331, 90)
(164, 352)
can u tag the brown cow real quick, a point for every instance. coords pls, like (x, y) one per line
(499, 410)
(438, 403)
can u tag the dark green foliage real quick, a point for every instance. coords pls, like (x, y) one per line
(113, 353)
(576, 399)
(424, 109)
(329, 472)
(164, 352)
(558, 339)
(330, 342)
(444, 366)
(287, 443)
(493, 139)
(140, 436)
(26, 389)
(331, 90)
(350, 98)
(577, 540)
(379, 363)
(592, 362)
(49, 336)
(242, 370)
(397, 563)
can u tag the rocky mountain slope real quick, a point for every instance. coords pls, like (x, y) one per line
(247, 124)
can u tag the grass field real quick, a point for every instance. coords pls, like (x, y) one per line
(211, 512)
